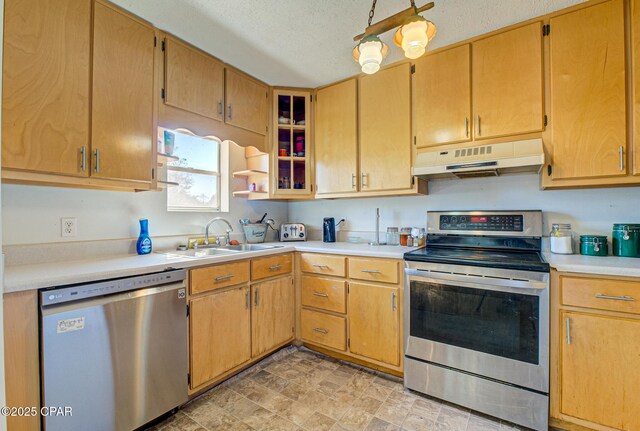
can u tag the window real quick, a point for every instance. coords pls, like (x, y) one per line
(197, 172)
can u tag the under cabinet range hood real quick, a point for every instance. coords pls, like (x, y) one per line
(481, 160)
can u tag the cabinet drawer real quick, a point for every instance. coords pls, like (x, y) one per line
(324, 329)
(218, 276)
(323, 264)
(271, 266)
(602, 294)
(324, 294)
(382, 270)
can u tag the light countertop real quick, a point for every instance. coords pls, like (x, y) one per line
(36, 276)
(609, 265)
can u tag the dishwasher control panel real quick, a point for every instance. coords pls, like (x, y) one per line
(79, 292)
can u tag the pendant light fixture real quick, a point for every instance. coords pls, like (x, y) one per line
(413, 36)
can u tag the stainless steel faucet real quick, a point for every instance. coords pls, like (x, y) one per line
(215, 219)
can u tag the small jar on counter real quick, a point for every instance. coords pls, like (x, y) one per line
(594, 245)
(393, 237)
(405, 233)
(561, 238)
(626, 240)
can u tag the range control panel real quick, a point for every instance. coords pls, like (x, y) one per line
(485, 222)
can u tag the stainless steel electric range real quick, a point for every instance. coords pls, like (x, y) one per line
(477, 314)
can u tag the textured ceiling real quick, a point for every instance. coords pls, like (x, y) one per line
(308, 43)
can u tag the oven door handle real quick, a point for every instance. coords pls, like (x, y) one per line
(478, 280)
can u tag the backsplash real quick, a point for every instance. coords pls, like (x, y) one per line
(590, 211)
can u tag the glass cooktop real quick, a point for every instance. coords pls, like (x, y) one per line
(492, 258)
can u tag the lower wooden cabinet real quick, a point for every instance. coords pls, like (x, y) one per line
(220, 339)
(374, 322)
(235, 320)
(595, 352)
(273, 320)
(351, 307)
(600, 373)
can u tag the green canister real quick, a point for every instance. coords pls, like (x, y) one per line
(626, 240)
(594, 245)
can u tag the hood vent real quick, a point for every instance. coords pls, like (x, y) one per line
(481, 161)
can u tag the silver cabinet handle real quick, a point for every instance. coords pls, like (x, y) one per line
(621, 151)
(479, 127)
(466, 126)
(371, 271)
(320, 330)
(615, 298)
(317, 265)
(96, 153)
(257, 298)
(568, 325)
(362, 177)
(275, 267)
(393, 302)
(230, 111)
(248, 305)
(353, 181)
(220, 108)
(83, 159)
(224, 277)
(323, 295)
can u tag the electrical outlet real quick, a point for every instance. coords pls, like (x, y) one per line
(69, 226)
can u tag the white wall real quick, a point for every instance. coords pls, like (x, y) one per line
(31, 214)
(589, 211)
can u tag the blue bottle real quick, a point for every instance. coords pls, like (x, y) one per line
(143, 246)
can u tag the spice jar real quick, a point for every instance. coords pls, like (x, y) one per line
(561, 238)
(626, 240)
(405, 232)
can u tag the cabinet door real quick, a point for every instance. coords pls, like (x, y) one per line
(385, 129)
(442, 103)
(336, 142)
(247, 103)
(507, 83)
(194, 81)
(374, 322)
(273, 314)
(122, 109)
(635, 38)
(220, 328)
(45, 100)
(600, 374)
(588, 114)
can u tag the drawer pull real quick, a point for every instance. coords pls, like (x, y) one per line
(275, 267)
(615, 298)
(317, 265)
(224, 277)
(371, 271)
(320, 330)
(324, 295)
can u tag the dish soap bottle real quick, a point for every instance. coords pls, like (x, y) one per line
(143, 246)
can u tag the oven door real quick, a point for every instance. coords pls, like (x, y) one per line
(488, 322)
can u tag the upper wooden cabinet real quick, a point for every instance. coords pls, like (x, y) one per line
(122, 119)
(336, 138)
(194, 81)
(588, 92)
(635, 40)
(385, 129)
(247, 102)
(442, 102)
(508, 83)
(46, 83)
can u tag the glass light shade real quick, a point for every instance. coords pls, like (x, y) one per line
(414, 36)
(369, 54)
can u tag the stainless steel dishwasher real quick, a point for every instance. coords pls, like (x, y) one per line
(114, 351)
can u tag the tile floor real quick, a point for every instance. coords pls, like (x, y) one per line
(297, 389)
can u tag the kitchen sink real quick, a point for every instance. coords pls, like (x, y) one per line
(249, 247)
